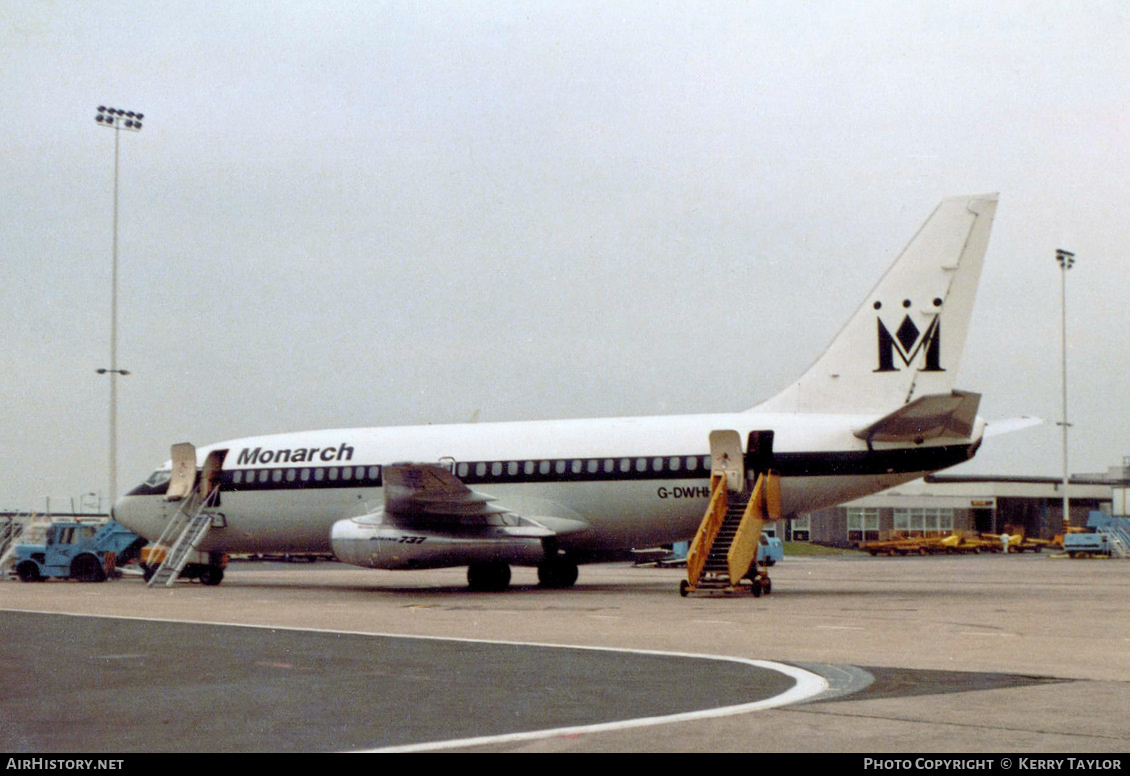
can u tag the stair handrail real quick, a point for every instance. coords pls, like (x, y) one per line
(176, 522)
(764, 507)
(174, 555)
(708, 530)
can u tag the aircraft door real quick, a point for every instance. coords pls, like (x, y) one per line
(210, 476)
(758, 454)
(725, 457)
(182, 479)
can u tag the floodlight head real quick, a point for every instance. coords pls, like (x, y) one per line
(113, 117)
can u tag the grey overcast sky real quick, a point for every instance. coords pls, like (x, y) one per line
(384, 213)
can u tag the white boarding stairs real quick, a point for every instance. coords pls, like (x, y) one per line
(10, 531)
(25, 528)
(1118, 547)
(1118, 532)
(190, 524)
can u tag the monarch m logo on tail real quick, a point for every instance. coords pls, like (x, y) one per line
(907, 342)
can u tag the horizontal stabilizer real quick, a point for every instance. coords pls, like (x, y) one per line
(938, 415)
(999, 427)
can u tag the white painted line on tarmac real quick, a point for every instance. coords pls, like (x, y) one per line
(840, 627)
(808, 685)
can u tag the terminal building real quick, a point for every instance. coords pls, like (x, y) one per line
(943, 504)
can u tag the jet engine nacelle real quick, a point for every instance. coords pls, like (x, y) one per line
(370, 542)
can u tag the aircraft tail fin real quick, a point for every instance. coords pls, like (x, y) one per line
(906, 340)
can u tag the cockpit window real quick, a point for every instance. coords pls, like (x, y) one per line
(158, 478)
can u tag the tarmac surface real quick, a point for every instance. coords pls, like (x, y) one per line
(1022, 653)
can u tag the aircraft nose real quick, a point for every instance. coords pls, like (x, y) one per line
(119, 512)
(130, 511)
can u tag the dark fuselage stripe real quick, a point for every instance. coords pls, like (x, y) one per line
(574, 470)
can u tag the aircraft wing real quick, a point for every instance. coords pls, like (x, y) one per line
(937, 415)
(429, 496)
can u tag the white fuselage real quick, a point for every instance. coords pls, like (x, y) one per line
(877, 408)
(603, 485)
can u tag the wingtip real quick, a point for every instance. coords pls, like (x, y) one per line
(991, 196)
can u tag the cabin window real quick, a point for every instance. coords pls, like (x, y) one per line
(641, 464)
(496, 468)
(593, 466)
(333, 473)
(304, 475)
(692, 463)
(276, 475)
(543, 467)
(559, 467)
(609, 465)
(375, 473)
(291, 475)
(657, 464)
(481, 469)
(512, 468)
(237, 477)
(675, 463)
(625, 464)
(347, 473)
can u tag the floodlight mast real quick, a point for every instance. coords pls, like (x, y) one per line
(130, 121)
(1066, 261)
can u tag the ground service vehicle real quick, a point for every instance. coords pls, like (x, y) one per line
(1087, 544)
(87, 552)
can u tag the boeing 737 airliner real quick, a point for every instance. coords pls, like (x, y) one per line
(878, 408)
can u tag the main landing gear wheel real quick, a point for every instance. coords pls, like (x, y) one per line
(488, 577)
(557, 573)
(211, 575)
(684, 588)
